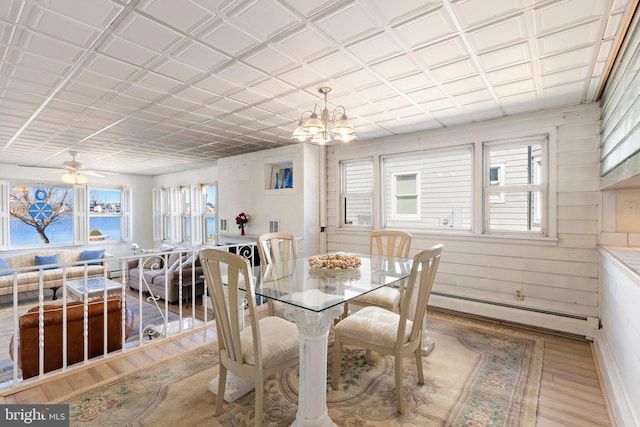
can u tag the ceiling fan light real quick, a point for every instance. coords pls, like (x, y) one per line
(69, 178)
(74, 178)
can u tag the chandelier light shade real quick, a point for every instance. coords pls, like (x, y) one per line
(326, 128)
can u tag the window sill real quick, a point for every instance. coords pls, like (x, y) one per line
(463, 236)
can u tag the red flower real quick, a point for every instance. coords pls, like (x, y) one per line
(241, 219)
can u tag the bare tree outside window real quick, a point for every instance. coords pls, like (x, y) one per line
(39, 207)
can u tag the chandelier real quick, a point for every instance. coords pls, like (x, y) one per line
(325, 129)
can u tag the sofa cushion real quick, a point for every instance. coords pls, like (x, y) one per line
(95, 254)
(4, 265)
(47, 259)
(149, 276)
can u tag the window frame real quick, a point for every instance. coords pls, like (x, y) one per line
(477, 208)
(121, 214)
(80, 232)
(345, 196)
(540, 189)
(207, 215)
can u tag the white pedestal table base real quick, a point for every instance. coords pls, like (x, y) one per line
(313, 330)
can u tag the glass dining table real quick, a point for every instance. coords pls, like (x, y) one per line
(313, 299)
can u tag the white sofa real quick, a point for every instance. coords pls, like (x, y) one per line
(28, 272)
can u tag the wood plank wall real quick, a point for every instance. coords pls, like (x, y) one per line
(558, 275)
(616, 344)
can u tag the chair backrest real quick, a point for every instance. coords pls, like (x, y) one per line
(278, 247)
(226, 298)
(390, 243)
(418, 289)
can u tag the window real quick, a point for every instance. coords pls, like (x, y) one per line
(210, 213)
(435, 194)
(484, 187)
(522, 189)
(186, 214)
(105, 214)
(44, 214)
(166, 209)
(40, 215)
(357, 192)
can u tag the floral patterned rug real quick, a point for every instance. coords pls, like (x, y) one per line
(476, 376)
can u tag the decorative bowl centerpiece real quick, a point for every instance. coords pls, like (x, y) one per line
(335, 263)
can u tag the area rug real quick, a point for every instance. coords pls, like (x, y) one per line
(150, 316)
(476, 376)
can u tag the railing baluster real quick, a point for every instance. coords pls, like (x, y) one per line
(187, 319)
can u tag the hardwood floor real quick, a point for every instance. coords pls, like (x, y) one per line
(570, 392)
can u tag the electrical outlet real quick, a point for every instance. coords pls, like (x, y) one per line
(519, 295)
(445, 221)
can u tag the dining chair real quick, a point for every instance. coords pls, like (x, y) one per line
(391, 243)
(389, 333)
(276, 249)
(269, 345)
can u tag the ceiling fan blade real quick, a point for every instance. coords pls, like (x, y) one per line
(91, 173)
(57, 168)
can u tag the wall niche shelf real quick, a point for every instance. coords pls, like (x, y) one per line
(279, 176)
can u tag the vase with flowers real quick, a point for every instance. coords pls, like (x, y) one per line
(241, 220)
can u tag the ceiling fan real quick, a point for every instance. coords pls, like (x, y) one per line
(74, 171)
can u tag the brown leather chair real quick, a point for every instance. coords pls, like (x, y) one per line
(28, 333)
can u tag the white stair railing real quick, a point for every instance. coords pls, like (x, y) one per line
(154, 317)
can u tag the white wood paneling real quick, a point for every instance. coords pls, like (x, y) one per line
(557, 276)
(621, 113)
(617, 344)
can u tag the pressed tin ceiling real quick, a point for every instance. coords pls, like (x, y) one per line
(158, 86)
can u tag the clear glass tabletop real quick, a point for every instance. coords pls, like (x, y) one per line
(298, 284)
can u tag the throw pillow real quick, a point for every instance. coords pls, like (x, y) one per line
(48, 259)
(4, 265)
(89, 254)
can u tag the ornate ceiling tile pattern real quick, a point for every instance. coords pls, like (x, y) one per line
(156, 86)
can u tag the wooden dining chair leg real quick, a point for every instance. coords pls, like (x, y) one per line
(271, 310)
(337, 362)
(259, 402)
(399, 394)
(419, 365)
(222, 381)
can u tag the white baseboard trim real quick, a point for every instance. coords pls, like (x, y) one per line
(536, 319)
(623, 411)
